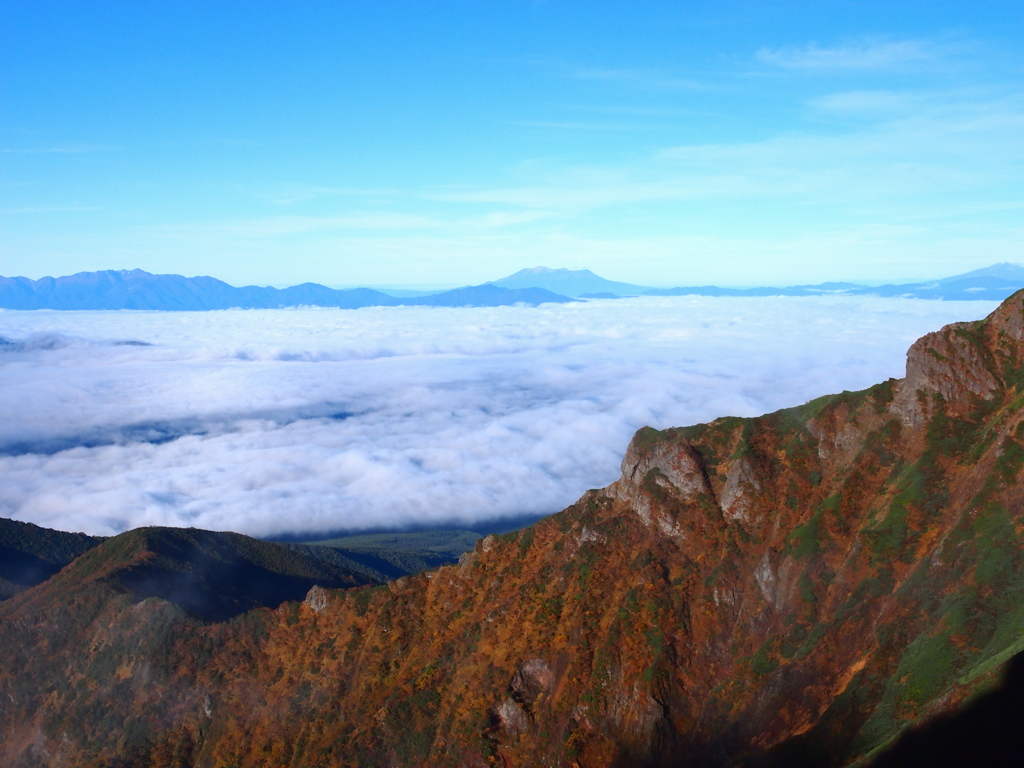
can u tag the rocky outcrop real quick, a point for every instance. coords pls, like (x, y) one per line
(316, 599)
(950, 363)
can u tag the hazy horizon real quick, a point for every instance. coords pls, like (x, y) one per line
(439, 287)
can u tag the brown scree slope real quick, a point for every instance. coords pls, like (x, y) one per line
(794, 589)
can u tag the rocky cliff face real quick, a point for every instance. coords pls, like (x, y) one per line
(795, 589)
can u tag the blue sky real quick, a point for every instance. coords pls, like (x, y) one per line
(452, 143)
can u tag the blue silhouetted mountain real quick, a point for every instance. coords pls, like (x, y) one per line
(137, 289)
(993, 283)
(1004, 270)
(569, 282)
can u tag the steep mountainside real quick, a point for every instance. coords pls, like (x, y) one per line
(792, 590)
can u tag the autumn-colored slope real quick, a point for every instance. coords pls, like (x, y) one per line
(795, 589)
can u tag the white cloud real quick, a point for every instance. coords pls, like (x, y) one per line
(873, 102)
(867, 54)
(269, 422)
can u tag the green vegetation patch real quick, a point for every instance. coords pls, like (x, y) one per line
(653, 487)
(763, 663)
(954, 437)
(386, 556)
(1010, 461)
(882, 395)
(927, 668)
(443, 542)
(796, 418)
(805, 540)
(647, 438)
(887, 538)
(881, 443)
(526, 540)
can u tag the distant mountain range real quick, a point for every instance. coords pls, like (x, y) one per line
(137, 289)
(993, 283)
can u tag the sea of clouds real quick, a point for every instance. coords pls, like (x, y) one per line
(307, 421)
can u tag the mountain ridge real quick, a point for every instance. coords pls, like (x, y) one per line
(137, 289)
(212, 576)
(571, 282)
(31, 554)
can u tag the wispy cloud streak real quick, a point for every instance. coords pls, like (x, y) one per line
(866, 54)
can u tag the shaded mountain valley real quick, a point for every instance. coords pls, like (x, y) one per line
(215, 575)
(30, 554)
(837, 584)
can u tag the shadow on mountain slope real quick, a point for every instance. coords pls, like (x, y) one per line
(30, 554)
(988, 731)
(212, 576)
